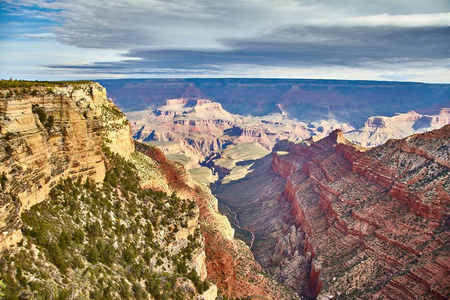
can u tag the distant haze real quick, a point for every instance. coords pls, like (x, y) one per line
(306, 100)
(397, 40)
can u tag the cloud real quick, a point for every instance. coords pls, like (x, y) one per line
(200, 24)
(197, 37)
(301, 46)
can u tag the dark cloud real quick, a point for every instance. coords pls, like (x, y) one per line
(300, 46)
(230, 37)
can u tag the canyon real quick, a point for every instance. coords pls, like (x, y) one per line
(207, 118)
(321, 217)
(334, 220)
(65, 147)
(304, 99)
(203, 127)
(313, 207)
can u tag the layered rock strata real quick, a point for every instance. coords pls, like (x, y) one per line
(347, 223)
(47, 134)
(229, 262)
(50, 132)
(377, 130)
(202, 127)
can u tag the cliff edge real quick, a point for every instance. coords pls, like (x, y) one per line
(333, 221)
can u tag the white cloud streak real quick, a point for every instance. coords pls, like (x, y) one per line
(257, 30)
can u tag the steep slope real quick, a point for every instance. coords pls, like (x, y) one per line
(99, 235)
(137, 227)
(108, 241)
(229, 262)
(332, 221)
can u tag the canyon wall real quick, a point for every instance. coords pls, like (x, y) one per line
(50, 132)
(371, 224)
(377, 130)
(304, 99)
(229, 262)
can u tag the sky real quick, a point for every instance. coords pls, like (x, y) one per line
(400, 40)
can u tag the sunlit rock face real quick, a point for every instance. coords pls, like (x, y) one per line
(377, 130)
(50, 133)
(198, 128)
(331, 219)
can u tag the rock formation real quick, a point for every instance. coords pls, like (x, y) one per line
(304, 99)
(330, 220)
(118, 223)
(202, 127)
(378, 130)
(48, 134)
(229, 262)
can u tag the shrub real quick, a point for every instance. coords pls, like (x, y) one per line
(49, 123)
(3, 180)
(8, 149)
(36, 109)
(64, 240)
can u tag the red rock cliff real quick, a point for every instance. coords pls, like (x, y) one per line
(229, 262)
(370, 224)
(386, 212)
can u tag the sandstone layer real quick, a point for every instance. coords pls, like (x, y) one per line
(332, 221)
(48, 134)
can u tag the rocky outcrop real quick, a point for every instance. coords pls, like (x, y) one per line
(198, 123)
(367, 224)
(50, 132)
(116, 131)
(377, 130)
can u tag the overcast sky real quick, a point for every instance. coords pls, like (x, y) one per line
(406, 40)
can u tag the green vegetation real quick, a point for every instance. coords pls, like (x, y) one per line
(105, 240)
(26, 83)
(46, 121)
(112, 113)
(3, 180)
